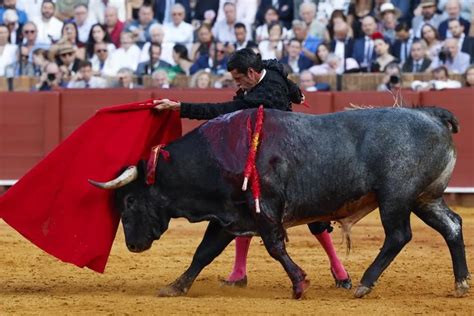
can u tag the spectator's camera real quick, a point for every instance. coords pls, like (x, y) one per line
(51, 77)
(443, 55)
(394, 79)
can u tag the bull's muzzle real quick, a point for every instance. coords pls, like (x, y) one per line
(126, 177)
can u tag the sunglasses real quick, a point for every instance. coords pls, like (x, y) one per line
(66, 54)
(221, 51)
(101, 51)
(29, 31)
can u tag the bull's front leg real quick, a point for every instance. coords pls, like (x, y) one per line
(273, 236)
(214, 242)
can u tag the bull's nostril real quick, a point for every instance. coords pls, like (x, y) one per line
(132, 247)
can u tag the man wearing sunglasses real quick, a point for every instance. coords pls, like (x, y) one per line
(259, 82)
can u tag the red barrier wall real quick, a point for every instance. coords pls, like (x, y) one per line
(31, 124)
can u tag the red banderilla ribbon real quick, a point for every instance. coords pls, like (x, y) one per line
(250, 171)
(153, 161)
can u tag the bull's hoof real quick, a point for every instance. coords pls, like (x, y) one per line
(242, 283)
(361, 291)
(300, 289)
(461, 288)
(172, 291)
(345, 284)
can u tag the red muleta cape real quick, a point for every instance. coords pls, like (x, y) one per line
(55, 207)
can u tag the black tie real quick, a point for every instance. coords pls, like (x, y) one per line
(416, 66)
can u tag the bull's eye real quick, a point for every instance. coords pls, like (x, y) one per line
(130, 202)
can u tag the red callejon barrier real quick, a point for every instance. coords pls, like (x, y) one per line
(31, 124)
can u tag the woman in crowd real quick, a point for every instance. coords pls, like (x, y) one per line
(205, 39)
(382, 50)
(270, 17)
(469, 77)
(357, 12)
(70, 35)
(431, 36)
(98, 34)
(272, 48)
(183, 63)
(201, 79)
(7, 51)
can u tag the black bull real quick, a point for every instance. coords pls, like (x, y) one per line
(330, 167)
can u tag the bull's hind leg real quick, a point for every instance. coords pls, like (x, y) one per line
(395, 218)
(449, 224)
(273, 236)
(214, 242)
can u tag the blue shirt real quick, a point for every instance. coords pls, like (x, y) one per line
(22, 17)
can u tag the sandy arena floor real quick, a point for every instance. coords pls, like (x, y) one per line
(419, 281)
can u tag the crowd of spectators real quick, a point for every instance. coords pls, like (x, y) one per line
(117, 43)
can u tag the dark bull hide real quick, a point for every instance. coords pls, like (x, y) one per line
(338, 166)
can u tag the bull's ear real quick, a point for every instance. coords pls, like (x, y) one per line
(142, 170)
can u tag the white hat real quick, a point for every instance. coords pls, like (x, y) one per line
(10, 16)
(389, 7)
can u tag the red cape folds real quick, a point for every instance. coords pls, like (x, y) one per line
(55, 207)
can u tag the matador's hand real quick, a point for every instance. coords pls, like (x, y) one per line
(166, 104)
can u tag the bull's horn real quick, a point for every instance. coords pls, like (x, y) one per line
(126, 177)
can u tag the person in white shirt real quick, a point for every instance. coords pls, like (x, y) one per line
(31, 7)
(128, 55)
(272, 48)
(84, 78)
(452, 57)
(97, 9)
(7, 51)
(178, 31)
(49, 27)
(440, 81)
(224, 30)
(246, 11)
(83, 22)
(101, 61)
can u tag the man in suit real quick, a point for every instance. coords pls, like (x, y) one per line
(148, 67)
(452, 57)
(364, 52)
(84, 79)
(417, 62)
(402, 47)
(466, 43)
(342, 45)
(295, 60)
(453, 9)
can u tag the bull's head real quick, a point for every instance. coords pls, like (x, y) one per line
(140, 207)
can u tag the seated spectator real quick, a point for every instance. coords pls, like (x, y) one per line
(182, 62)
(330, 66)
(11, 5)
(337, 18)
(308, 15)
(392, 81)
(82, 21)
(10, 19)
(204, 40)
(451, 57)
(201, 79)
(178, 31)
(284, 10)
(401, 48)
(141, 28)
(49, 27)
(357, 12)
(342, 45)
(310, 43)
(440, 81)
(308, 84)
(39, 60)
(466, 8)
(272, 48)
(270, 17)
(51, 78)
(241, 37)
(469, 77)
(154, 62)
(465, 42)
(113, 24)
(216, 61)
(102, 64)
(160, 79)
(98, 34)
(97, 9)
(30, 35)
(428, 16)
(31, 8)
(364, 48)
(224, 30)
(125, 79)
(417, 62)
(453, 10)
(388, 17)
(128, 55)
(382, 51)
(21, 67)
(69, 36)
(67, 60)
(295, 61)
(157, 35)
(7, 51)
(225, 81)
(84, 78)
(434, 45)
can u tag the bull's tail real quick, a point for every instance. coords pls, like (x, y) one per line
(445, 116)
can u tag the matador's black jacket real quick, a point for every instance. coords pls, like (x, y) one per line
(274, 91)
